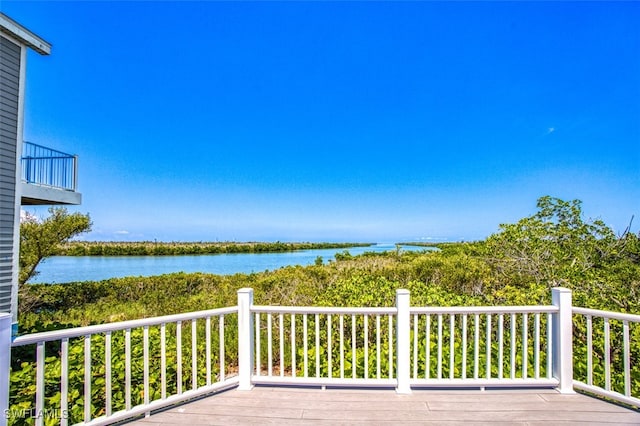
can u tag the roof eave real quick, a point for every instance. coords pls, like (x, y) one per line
(13, 29)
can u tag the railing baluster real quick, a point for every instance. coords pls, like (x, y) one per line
(163, 360)
(222, 355)
(549, 345)
(391, 346)
(317, 345)
(329, 349)
(127, 368)
(281, 335)
(107, 373)
(525, 345)
(40, 385)
(145, 368)
(194, 354)
(87, 378)
(179, 355)
(513, 346)
(305, 338)
(607, 355)
(341, 325)
(589, 351)
(377, 346)
(439, 346)
(464, 346)
(452, 346)
(293, 345)
(207, 336)
(366, 346)
(627, 362)
(415, 346)
(536, 348)
(427, 349)
(488, 346)
(64, 382)
(269, 346)
(500, 346)
(353, 346)
(476, 346)
(258, 332)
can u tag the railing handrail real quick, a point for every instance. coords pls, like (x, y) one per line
(123, 325)
(606, 314)
(533, 309)
(60, 154)
(263, 309)
(68, 333)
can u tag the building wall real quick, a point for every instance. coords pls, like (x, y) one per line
(11, 57)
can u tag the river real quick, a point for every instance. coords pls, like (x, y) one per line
(65, 269)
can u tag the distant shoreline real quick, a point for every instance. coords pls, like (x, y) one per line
(153, 248)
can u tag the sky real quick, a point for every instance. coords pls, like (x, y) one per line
(336, 121)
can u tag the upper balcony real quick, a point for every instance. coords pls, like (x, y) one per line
(49, 177)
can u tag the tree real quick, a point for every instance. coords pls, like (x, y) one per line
(41, 239)
(557, 247)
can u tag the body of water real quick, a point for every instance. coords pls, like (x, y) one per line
(64, 269)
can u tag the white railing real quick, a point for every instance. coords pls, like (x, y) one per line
(125, 369)
(483, 346)
(402, 346)
(116, 371)
(604, 346)
(324, 346)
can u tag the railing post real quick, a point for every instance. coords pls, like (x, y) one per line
(75, 174)
(562, 338)
(5, 362)
(403, 342)
(245, 338)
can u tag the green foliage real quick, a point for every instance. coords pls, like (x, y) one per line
(155, 248)
(554, 246)
(557, 247)
(516, 266)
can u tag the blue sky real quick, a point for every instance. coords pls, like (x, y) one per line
(360, 121)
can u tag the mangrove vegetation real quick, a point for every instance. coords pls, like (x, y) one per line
(518, 265)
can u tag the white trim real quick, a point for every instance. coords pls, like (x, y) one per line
(23, 36)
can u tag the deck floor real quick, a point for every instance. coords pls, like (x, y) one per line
(277, 405)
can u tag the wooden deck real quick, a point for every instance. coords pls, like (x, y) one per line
(278, 405)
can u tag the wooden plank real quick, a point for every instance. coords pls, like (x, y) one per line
(269, 405)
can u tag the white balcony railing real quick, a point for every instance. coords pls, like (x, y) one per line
(107, 373)
(129, 368)
(604, 345)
